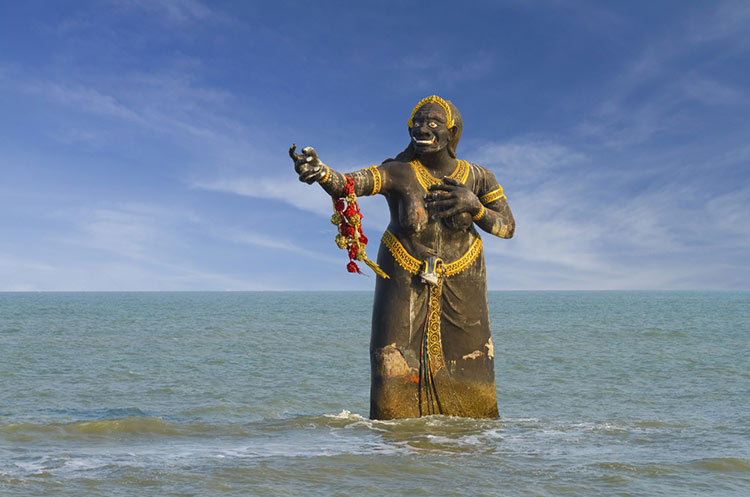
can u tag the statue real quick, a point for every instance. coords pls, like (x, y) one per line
(431, 351)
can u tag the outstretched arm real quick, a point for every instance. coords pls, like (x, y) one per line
(453, 197)
(311, 169)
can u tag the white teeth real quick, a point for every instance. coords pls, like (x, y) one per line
(424, 142)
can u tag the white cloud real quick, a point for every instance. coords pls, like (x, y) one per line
(168, 103)
(286, 189)
(713, 93)
(525, 159)
(135, 231)
(86, 99)
(290, 191)
(731, 212)
(729, 20)
(586, 232)
(175, 11)
(277, 242)
(63, 274)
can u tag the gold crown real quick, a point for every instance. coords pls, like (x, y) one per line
(434, 99)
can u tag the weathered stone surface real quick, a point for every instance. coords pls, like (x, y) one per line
(431, 350)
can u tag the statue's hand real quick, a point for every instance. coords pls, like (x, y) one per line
(450, 198)
(308, 165)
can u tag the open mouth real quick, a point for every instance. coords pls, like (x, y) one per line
(424, 142)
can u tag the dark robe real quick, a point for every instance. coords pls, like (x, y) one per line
(412, 374)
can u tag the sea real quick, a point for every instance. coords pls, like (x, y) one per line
(267, 394)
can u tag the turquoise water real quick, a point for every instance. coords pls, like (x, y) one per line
(235, 394)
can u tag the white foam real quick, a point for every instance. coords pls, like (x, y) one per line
(345, 414)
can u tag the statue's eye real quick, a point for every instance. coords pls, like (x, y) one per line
(433, 124)
(416, 124)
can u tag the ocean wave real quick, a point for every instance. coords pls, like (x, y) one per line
(723, 464)
(127, 426)
(649, 469)
(91, 414)
(450, 427)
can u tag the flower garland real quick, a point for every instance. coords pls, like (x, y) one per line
(348, 218)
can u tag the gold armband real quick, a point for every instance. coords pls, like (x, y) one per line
(479, 215)
(490, 197)
(377, 180)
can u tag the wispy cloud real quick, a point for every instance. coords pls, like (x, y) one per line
(423, 71)
(283, 189)
(276, 242)
(729, 20)
(168, 103)
(731, 212)
(586, 231)
(525, 159)
(73, 274)
(85, 99)
(648, 241)
(140, 232)
(713, 93)
(175, 11)
(652, 93)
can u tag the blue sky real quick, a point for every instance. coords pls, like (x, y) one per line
(143, 144)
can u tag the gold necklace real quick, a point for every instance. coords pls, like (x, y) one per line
(461, 173)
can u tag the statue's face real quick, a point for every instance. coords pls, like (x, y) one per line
(429, 132)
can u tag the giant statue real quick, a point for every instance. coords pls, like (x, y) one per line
(431, 351)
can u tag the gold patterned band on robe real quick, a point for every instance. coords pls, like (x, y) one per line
(430, 401)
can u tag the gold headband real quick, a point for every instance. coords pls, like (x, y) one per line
(434, 99)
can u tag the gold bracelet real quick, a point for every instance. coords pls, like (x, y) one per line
(479, 214)
(327, 176)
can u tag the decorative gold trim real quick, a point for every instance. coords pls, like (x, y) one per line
(479, 215)
(490, 197)
(434, 99)
(327, 175)
(412, 265)
(504, 231)
(399, 253)
(461, 173)
(377, 180)
(465, 261)
(434, 339)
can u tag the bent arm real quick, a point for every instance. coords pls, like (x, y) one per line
(488, 206)
(496, 218)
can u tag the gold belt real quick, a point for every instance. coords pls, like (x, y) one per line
(412, 265)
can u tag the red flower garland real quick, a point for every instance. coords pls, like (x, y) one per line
(348, 218)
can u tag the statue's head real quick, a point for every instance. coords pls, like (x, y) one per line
(434, 124)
